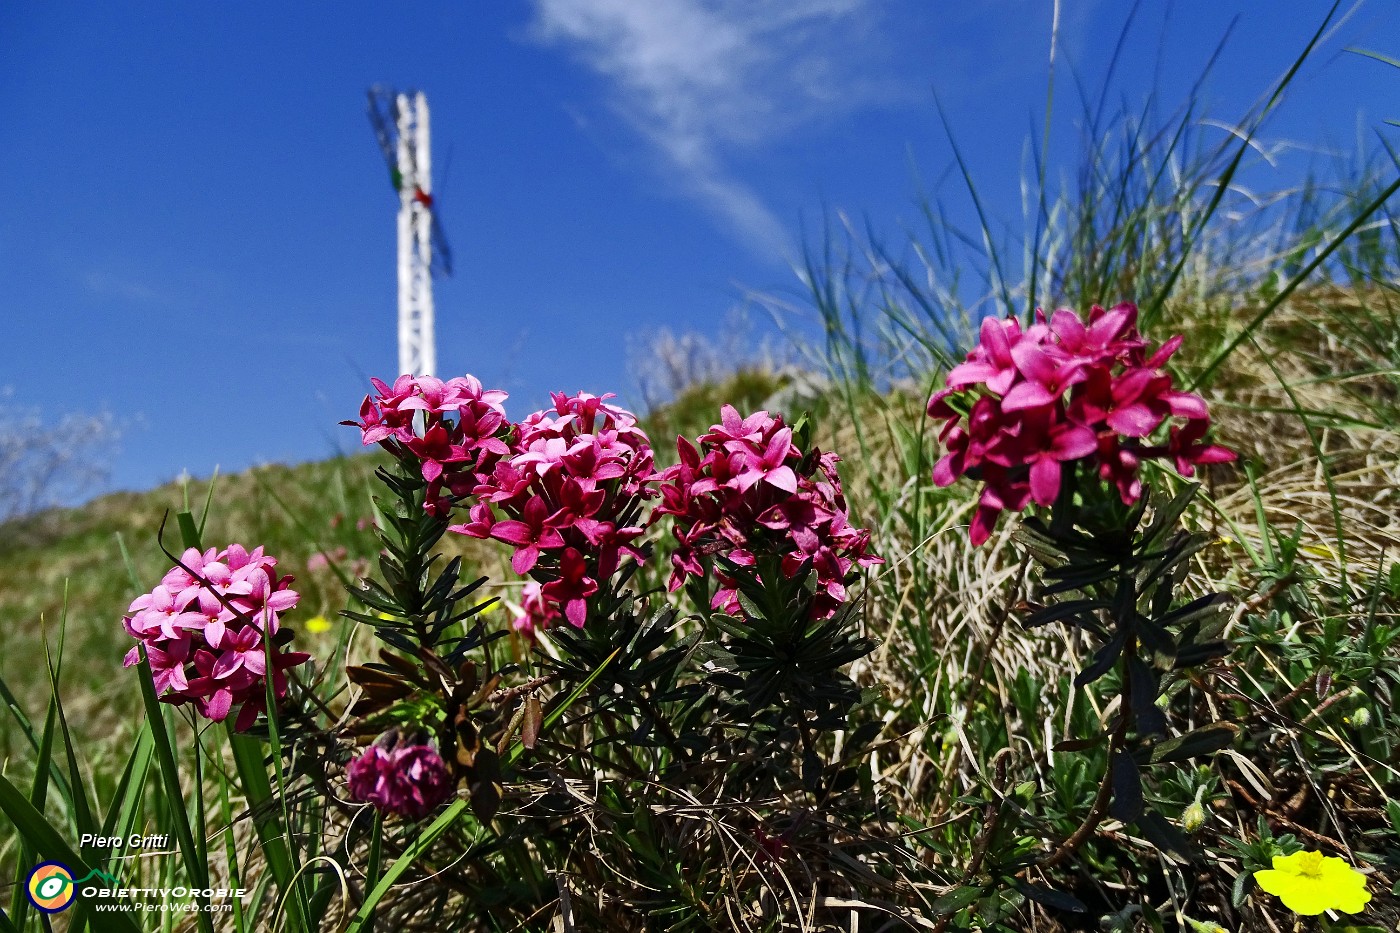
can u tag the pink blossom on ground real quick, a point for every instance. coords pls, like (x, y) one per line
(322, 560)
(206, 629)
(403, 776)
(748, 490)
(1028, 405)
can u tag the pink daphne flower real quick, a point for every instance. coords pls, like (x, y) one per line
(536, 612)
(210, 628)
(401, 775)
(748, 491)
(449, 430)
(1062, 394)
(566, 496)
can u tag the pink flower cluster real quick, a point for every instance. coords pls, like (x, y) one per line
(1027, 403)
(206, 628)
(567, 497)
(749, 491)
(455, 452)
(405, 776)
(563, 487)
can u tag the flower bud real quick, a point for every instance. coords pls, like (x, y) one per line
(1195, 816)
(1206, 926)
(1361, 716)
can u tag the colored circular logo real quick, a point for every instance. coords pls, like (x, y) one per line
(50, 887)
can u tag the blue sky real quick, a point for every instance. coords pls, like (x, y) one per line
(198, 235)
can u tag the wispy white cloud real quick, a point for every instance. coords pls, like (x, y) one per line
(110, 285)
(705, 80)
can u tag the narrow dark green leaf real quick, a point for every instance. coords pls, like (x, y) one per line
(1157, 830)
(1203, 741)
(1058, 612)
(1104, 659)
(955, 900)
(1127, 802)
(1146, 684)
(1060, 900)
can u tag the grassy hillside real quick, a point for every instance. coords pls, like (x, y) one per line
(978, 779)
(76, 566)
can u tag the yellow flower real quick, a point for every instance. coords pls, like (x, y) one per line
(1309, 883)
(318, 624)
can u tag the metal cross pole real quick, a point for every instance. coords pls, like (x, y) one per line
(417, 344)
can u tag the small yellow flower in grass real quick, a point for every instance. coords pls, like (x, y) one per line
(1309, 883)
(1361, 716)
(318, 624)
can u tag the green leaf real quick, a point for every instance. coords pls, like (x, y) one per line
(1060, 900)
(1165, 518)
(1127, 800)
(1244, 882)
(955, 900)
(1203, 741)
(1155, 828)
(38, 794)
(189, 531)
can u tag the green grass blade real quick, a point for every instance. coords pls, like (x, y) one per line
(376, 861)
(1198, 226)
(989, 243)
(170, 778)
(401, 864)
(84, 821)
(38, 796)
(1292, 286)
(235, 877)
(126, 803)
(49, 844)
(293, 895)
(17, 714)
(553, 715)
(189, 531)
(268, 819)
(208, 501)
(1393, 62)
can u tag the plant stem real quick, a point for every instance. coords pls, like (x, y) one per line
(1099, 809)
